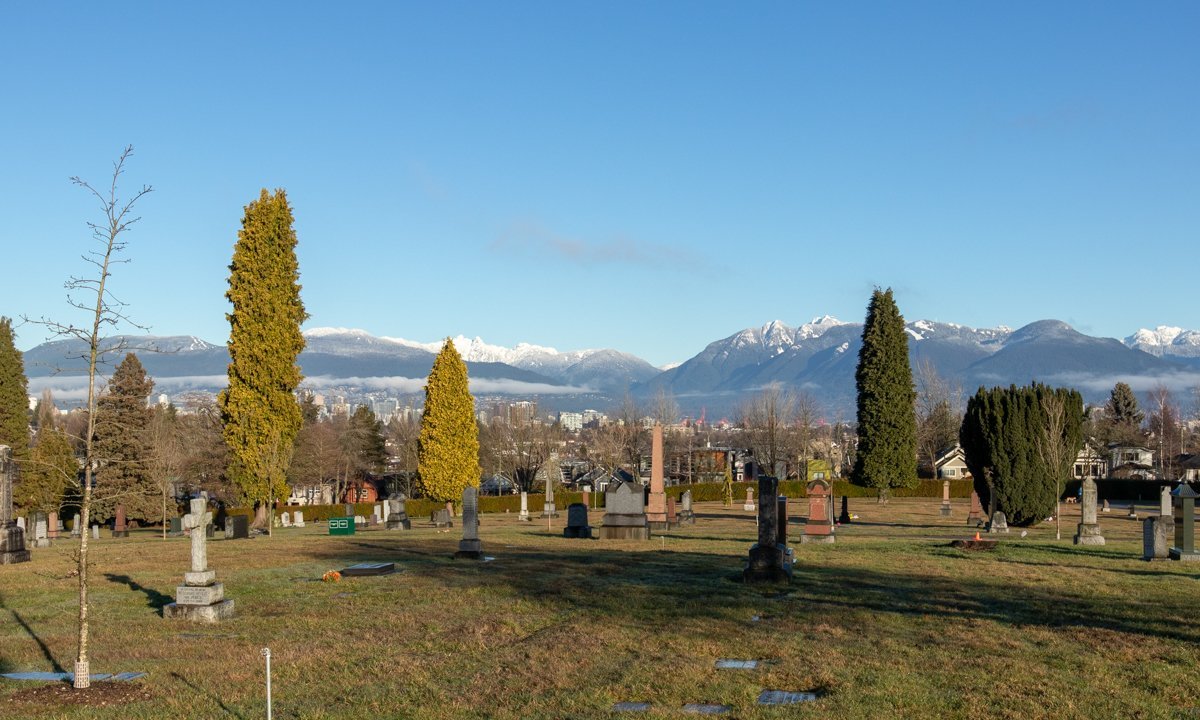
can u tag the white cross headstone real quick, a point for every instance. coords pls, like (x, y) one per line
(194, 523)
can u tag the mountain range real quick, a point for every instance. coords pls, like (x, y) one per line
(818, 357)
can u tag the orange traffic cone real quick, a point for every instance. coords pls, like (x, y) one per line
(976, 534)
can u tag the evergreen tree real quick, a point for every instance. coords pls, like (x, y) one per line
(1004, 436)
(260, 412)
(50, 474)
(363, 442)
(448, 447)
(14, 396)
(1122, 418)
(887, 426)
(122, 422)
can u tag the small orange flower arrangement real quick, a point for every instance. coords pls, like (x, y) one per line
(332, 576)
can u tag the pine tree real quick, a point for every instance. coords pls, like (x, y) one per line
(14, 396)
(448, 447)
(1005, 436)
(259, 409)
(363, 442)
(1122, 418)
(122, 422)
(887, 428)
(51, 473)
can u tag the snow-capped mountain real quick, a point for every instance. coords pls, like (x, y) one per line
(1166, 341)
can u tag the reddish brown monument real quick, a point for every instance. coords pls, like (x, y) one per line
(656, 503)
(819, 528)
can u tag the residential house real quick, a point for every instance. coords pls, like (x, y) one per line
(951, 464)
(1090, 463)
(1131, 462)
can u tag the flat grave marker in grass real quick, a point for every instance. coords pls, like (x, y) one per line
(369, 569)
(631, 707)
(785, 697)
(707, 709)
(736, 664)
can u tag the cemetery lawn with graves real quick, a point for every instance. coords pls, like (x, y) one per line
(888, 622)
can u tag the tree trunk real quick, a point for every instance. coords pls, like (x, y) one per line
(260, 516)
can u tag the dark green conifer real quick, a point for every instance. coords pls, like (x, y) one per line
(122, 422)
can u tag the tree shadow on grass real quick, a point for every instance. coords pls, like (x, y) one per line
(215, 698)
(154, 599)
(4, 664)
(643, 585)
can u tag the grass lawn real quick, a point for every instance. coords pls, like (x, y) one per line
(888, 622)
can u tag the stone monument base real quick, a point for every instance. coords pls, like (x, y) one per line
(120, 533)
(662, 524)
(582, 532)
(768, 563)
(1179, 554)
(524, 517)
(469, 549)
(945, 510)
(809, 539)
(1088, 534)
(624, 527)
(394, 523)
(222, 610)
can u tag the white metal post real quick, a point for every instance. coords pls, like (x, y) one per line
(266, 653)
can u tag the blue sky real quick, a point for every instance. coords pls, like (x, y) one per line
(642, 176)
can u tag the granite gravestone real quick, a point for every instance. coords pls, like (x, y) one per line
(781, 529)
(285, 519)
(1088, 531)
(120, 529)
(201, 598)
(1164, 501)
(53, 526)
(12, 534)
(76, 527)
(1156, 538)
(577, 522)
(819, 527)
(625, 513)
(844, 518)
(41, 533)
(672, 514)
(749, 504)
(686, 515)
(176, 527)
(441, 518)
(656, 502)
(524, 516)
(470, 547)
(237, 527)
(975, 514)
(398, 513)
(999, 523)
(1184, 507)
(768, 561)
(298, 521)
(945, 498)
(549, 471)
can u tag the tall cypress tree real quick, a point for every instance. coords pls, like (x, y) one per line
(448, 446)
(259, 409)
(14, 395)
(887, 426)
(122, 422)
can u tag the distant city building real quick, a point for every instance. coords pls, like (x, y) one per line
(572, 421)
(522, 413)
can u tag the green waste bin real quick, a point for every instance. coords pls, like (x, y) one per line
(341, 526)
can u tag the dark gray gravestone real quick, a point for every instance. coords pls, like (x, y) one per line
(470, 546)
(237, 527)
(1156, 538)
(768, 561)
(12, 535)
(369, 569)
(577, 522)
(176, 528)
(844, 518)
(441, 518)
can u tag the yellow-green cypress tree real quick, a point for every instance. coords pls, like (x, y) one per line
(260, 413)
(448, 446)
(14, 395)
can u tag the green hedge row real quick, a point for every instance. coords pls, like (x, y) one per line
(701, 492)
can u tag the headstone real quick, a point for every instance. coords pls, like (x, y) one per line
(587, 497)
(342, 526)
(348, 509)
(285, 519)
(41, 533)
(175, 528)
(95, 532)
(672, 513)
(12, 533)
(768, 561)
(844, 518)
(524, 516)
(686, 514)
(999, 523)
(237, 527)
(1164, 501)
(53, 527)
(470, 547)
(1106, 508)
(1088, 531)
(361, 521)
(76, 528)
(441, 518)
(945, 498)
(119, 528)
(1184, 507)
(201, 598)
(781, 531)
(819, 527)
(656, 502)
(975, 514)
(1156, 538)
(625, 513)
(397, 518)
(298, 521)
(577, 522)
(749, 504)
(381, 510)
